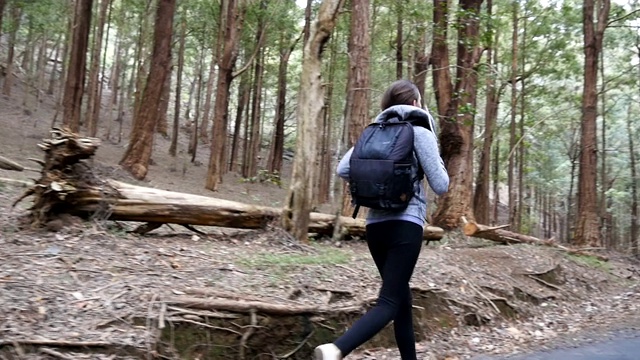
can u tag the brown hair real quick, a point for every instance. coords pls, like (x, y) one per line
(400, 92)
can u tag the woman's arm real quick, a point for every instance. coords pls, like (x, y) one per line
(426, 146)
(343, 166)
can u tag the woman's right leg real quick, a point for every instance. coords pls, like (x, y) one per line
(403, 328)
(395, 247)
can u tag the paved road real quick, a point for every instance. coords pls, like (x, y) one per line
(624, 347)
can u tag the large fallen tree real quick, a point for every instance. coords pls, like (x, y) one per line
(499, 234)
(68, 186)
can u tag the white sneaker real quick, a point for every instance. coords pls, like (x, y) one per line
(328, 352)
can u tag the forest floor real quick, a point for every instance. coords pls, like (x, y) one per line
(92, 290)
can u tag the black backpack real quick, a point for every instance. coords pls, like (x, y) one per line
(380, 165)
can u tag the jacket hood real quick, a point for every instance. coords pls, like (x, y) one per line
(413, 114)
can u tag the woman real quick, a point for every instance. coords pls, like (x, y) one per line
(395, 237)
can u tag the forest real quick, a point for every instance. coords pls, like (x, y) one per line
(536, 101)
(228, 117)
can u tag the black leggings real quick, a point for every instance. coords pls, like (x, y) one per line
(395, 247)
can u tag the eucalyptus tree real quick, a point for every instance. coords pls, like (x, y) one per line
(136, 157)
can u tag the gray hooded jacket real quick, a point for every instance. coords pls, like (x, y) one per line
(428, 157)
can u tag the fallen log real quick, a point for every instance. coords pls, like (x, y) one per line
(498, 234)
(68, 186)
(144, 204)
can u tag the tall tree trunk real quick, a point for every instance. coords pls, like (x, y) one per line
(421, 61)
(54, 67)
(141, 59)
(204, 124)
(440, 56)
(231, 26)
(247, 131)
(136, 158)
(27, 54)
(356, 108)
(256, 115)
(116, 70)
(255, 125)
(513, 141)
(327, 172)
(573, 152)
(187, 110)
(173, 149)
(635, 222)
(94, 101)
(193, 141)
(121, 103)
(277, 143)
(633, 231)
(521, 152)
(74, 85)
(495, 170)
(16, 13)
(310, 102)
(399, 38)
(41, 65)
(603, 210)
(481, 206)
(307, 22)
(3, 3)
(103, 70)
(162, 126)
(115, 83)
(243, 104)
(135, 69)
(456, 135)
(587, 232)
(68, 38)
